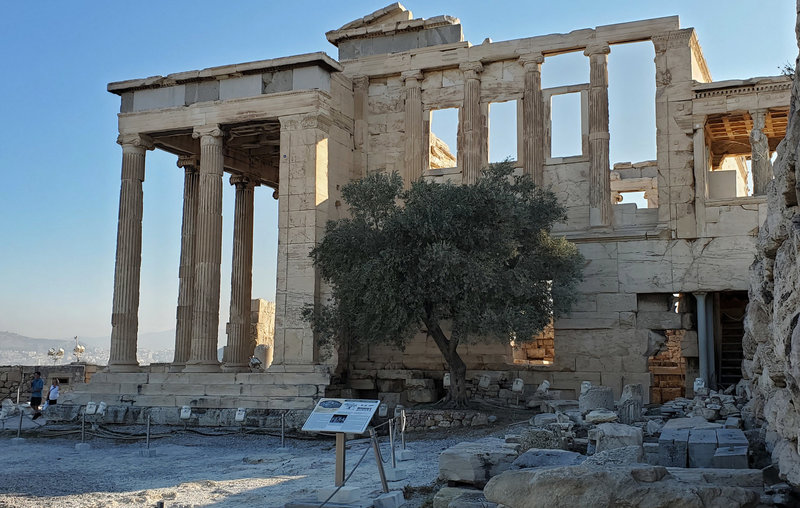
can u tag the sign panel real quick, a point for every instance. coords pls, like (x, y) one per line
(341, 415)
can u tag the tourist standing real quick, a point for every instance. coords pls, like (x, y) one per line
(52, 394)
(36, 393)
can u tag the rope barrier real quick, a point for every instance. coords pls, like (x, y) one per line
(346, 478)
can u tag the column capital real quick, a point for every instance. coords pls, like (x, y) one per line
(305, 121)
(202, 131)
(360, 81)
(137, 140)
(531, 61)
(660, 43)
(600, 48)
(188, 162)
(243, 181)
(411, 78)
(471, 70)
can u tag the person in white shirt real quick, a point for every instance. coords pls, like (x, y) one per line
(52, 395)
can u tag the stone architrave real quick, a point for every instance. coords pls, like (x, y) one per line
(183, 327)
(241, 343)
(533, 117)
(125, 313)
(600, 212)
(208, 253)
(472, 123)
(414, 136)
(760, 164)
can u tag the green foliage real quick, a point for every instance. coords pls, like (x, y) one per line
(477, 256)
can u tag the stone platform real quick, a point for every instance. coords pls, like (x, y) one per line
(281, 387)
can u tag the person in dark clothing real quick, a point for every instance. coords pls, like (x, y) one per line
(37, 385)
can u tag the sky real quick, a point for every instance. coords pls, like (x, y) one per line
(60, 164)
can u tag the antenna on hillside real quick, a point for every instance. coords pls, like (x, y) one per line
(78, 350)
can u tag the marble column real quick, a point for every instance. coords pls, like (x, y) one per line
(208, 253)
(415, 147)
(125, 311)
(472, 124)
(760, 164)
(241, 342)
(600, 212)
(533, 117)
(183, 327)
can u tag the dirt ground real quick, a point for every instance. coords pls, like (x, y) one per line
(200, 467)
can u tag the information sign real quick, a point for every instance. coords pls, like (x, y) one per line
(341, 415)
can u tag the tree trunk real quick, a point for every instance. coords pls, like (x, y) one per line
(457, 396)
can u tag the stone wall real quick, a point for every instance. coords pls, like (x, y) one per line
(772, 334)
(68, 375)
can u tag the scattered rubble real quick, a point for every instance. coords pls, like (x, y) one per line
(686, 452)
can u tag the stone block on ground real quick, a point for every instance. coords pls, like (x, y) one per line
(702, 446)
(733, 457)
(476, 462)
(608, 436)
(731, 437)
(536, 457)
(637, 485)
(673, 445)
(597, 416)
(596, 397)
(392, 499)
(543, 419)
(651, 453)
(617, 457)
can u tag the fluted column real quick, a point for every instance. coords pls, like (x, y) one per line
(208, 253)
(241, 343)
(415, 139)
(760, 165)
(125, 312)
(600, 181)
(183, 327)
(533, 117)
(471, 123)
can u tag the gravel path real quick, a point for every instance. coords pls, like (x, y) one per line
(190, 469)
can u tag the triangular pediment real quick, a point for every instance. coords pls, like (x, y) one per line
(391, 13)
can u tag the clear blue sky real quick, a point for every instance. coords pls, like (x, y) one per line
(61, 166)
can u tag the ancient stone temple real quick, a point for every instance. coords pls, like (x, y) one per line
(665, 285)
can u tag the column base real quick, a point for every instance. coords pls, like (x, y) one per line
(123, 367)
(235, 367)
(202, 367)
(177, 367)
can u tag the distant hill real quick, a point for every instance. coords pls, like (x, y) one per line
(16, 342)
(10, 341)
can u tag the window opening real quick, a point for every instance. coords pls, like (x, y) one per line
(631, 102)
(503, 131)
(566, 125)
(443, 144)
(565, 69)
(539, 351)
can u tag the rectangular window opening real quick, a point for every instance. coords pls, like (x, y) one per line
(539, 351)
(566, 125)
(631, 102)
(503, 131)
(637, 197)
(565, 69)
(443, 146)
